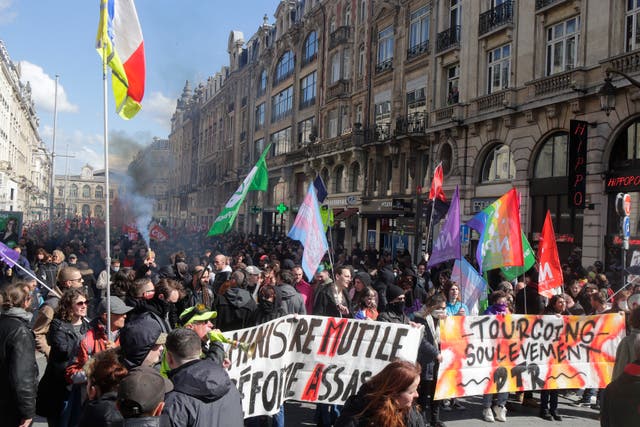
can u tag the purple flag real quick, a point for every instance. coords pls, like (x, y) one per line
(8, 255)
(308, 229)
(447, 245)
(472, 285)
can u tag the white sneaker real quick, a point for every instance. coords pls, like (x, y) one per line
(487, 415)
(501, 413)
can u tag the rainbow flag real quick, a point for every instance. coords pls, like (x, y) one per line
(119, 42)
(500, 242)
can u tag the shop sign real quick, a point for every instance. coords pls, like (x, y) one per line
(577, 163)
(616, 182)
(342, 201)
(479, 204)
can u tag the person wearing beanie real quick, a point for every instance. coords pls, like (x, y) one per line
(394, 311)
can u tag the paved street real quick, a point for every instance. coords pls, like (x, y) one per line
(301, 414)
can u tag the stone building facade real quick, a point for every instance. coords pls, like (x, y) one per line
(25, 164)
(372, 95)
(83, 195)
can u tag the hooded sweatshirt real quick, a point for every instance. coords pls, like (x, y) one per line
(203, 395)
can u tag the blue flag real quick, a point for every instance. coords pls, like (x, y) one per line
(472, 285)
(447, 245)
(308, 229)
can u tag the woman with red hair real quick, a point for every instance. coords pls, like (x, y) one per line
(387, 399)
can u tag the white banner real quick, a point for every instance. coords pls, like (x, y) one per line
(314, 359)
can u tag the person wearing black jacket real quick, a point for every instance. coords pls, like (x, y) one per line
(234, 304)
(65, 332)
(203, 394)
(18, 368)
(145, 302)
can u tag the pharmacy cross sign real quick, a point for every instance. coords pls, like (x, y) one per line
(282, 208)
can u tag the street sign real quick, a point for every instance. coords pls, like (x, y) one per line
(465, 232)
(623, 204)
(626, 231)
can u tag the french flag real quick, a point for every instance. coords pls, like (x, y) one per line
(120, 43)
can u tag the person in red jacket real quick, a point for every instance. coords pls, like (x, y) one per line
(96, 340)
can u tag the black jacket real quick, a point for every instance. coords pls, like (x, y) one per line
(64, 342)
(292, 301)
(324, 303)
(234, 308)
(100, 412)
(356, 404)
(203, 395)
(622, 399)
(18, 368)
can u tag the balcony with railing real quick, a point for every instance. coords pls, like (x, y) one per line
(448, 39)
(557, 83)
(277, 116)
(340, 89)
(382, 132)
(306, 103)
(418, 49)
(545, 4)
(339, 36)
(411, 124)
(282, 77)
(625, 63)
(383, 66)
(495, 18)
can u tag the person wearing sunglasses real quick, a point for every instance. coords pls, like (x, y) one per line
(68, 278)
(55, 400)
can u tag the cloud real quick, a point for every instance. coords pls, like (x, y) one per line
(43, 88)
(159, 108)
(6, 14)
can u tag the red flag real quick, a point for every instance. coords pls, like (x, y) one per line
(549, 269)
(436, 184)
(158, 233)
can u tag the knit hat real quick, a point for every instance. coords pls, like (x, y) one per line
(393, 292)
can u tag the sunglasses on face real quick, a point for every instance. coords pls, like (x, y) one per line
(81, 303)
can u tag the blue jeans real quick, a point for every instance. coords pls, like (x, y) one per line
(501, 399)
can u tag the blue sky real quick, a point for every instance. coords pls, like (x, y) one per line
(184, 40)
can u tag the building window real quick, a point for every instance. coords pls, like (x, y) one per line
(632, 41)
(338, 176)
(355, 178)
(306, 131)
(310, 49)
(499, 69)
(453, 79)
(281, 104)
(361, 61)
(86, 192)
(99, 192)
(562, 46)
(382, 121)
(455, 13)
(281, 141)
(359, 114)
(385, 46)
(285, 67)
(335, 67)
(419, 30)
(308, 90)
(389, 170)
(259, 117)
(332, 123)
(86, 211)
(362, 11)
(345, 122)
(552, 158)
(498, 165)
(258, 148)
(73, 192)
(99, 212)
(262, 83)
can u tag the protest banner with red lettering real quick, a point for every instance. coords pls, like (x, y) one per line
(313, 358)
(490, 354)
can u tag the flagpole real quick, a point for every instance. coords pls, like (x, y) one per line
(433, 208)
(107, 231)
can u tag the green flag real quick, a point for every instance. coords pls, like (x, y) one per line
(511, 273)
(257, 179)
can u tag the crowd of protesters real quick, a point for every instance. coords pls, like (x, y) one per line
(147, 355)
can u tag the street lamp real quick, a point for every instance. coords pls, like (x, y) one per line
(608, 91)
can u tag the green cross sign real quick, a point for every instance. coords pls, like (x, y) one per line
(282, 208)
